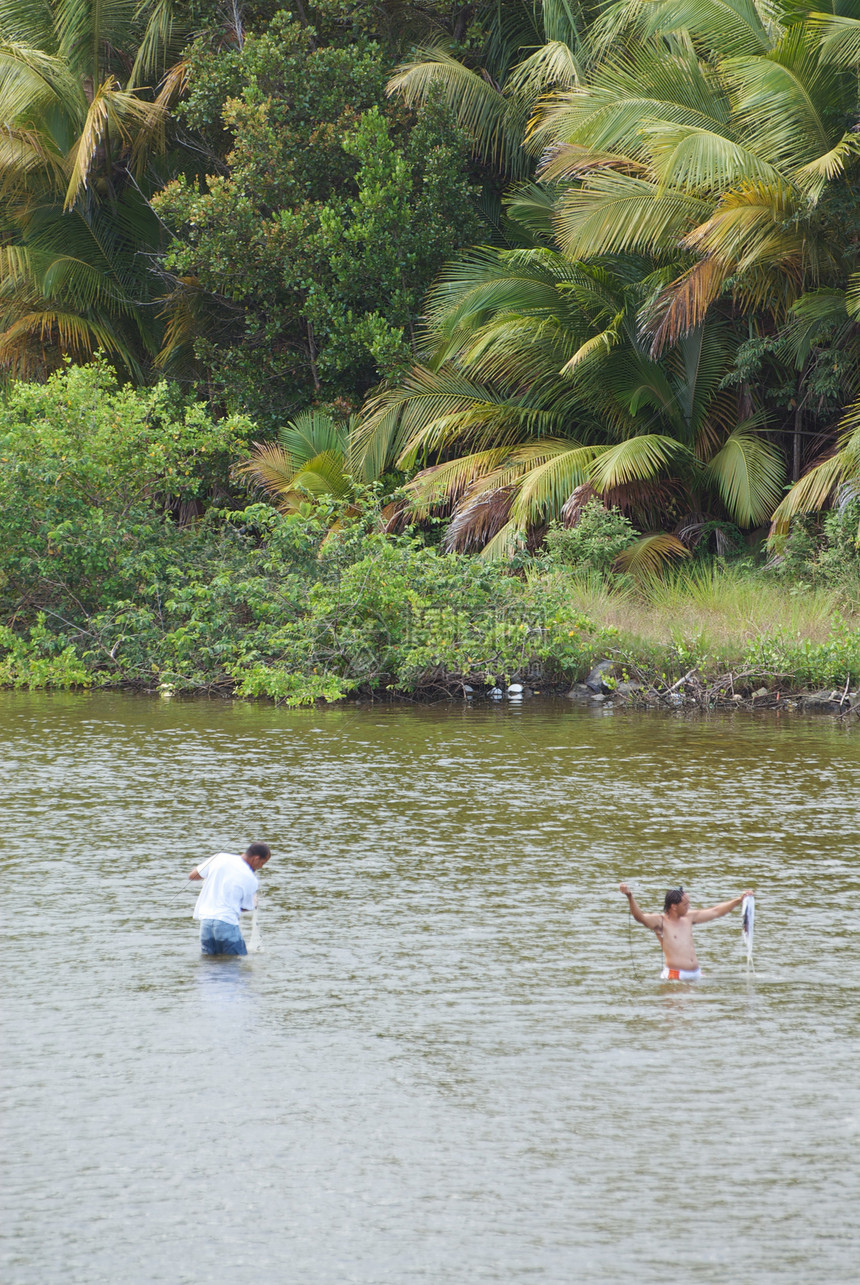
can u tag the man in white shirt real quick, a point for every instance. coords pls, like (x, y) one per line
(229, 887)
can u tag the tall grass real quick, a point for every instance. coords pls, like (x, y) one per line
(719, 616)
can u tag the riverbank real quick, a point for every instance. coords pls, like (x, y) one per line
(274, 608)
(130, 558)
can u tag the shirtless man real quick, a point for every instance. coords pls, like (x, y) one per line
(674, 929)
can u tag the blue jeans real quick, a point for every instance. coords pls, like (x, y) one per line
(220, 938)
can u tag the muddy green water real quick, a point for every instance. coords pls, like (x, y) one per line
(454, 1063)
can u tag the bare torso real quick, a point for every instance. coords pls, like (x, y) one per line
(676, 938)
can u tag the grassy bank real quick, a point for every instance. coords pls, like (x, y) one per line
(724, 622)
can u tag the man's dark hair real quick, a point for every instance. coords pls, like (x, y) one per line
(674, 897)
(261, 850)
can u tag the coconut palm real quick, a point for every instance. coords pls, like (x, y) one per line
(529, 49)
(85, 90)
(718, 131)
(307, 461)
(537, 383)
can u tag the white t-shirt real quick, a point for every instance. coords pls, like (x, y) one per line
(229, 885)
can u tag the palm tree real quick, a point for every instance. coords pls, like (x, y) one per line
(537, 384)
(528, 50)
(308, 460)
(85, 90)
(713, 139)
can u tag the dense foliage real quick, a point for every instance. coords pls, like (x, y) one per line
(282, 227)
(683, 334)
(130, 557)
(299, 266)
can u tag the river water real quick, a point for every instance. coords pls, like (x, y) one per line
(454, 1061)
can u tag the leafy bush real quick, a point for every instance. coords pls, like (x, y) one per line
(276, 605)
(808, 664)
(88, 471)
(825, 549)
(594, 543)
(332, 210)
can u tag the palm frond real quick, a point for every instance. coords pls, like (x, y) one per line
(634, 460)
(394, 421)
(616, 213)
(29, 23)
(839, 35)
(273, 469)
(852, 295)
(749, 474)
(782, 102)
(33, 81)
(504, 544)
(595, 347)
(650, 554)
(531, 206)
(548, 483)
(815, 490)
(112, 112)
(575, 160)
(816, 315)
(642, 84)
(25, 153)
(323, 477)
(572, 509)
(683, 304)
(494, 123)
(724, 27)
(816, 174)
(701, 160)
(312, 433)
(475, 525)
(76, 334)
(752, 225)
(269, 467)
(446, 483)
(162, 40)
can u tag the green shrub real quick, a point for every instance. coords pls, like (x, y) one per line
(825, 549)
(594, 543)
(808, 664)
(88, 473)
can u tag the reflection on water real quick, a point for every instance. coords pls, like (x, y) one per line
(455, 1060)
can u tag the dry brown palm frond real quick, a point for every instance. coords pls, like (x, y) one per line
(571, 510)
(474, 525)
(445, 484)
(122, 116)
(573, 160)
(647, 504)
(174, 84)
(684, 304)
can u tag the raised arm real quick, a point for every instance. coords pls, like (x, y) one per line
(641, 917)
(717, 912)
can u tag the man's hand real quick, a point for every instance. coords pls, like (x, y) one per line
(622, 887)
